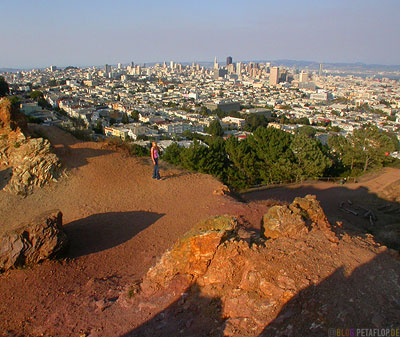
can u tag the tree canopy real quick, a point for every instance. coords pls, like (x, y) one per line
(271, 155)
(4, 88)
(215, 128)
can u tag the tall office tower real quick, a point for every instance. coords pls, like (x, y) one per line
(274, 76)
(107, 68)
(231, 68)
(229, 60)
(303, 77)
(119, 66)
(216, 66)
(320, 70)
(132, 64)
(239, 68)
(171, 64)
(164, 65)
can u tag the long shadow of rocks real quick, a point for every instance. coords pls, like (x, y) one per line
(191, 315)
(364, 298)
(5, 177)
(106, 230)
(358, 211)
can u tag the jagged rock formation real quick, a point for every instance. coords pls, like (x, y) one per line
(237, 285)
(32, 161)
(41, 239)
(302, 214)
(190, 256)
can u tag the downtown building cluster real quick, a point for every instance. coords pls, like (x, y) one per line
(168, 99)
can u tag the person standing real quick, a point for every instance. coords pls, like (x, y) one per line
(154, 157)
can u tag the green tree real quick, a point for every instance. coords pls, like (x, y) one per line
(172, 154)
(43, 103)
(311, 160)
(135, 115)
(221, 114)
(36, 95)
(215, 128)
(367, 148)
(99, 127)
(125, 118)
(243, 170)
(15, 101)
(343, 152)
(272, 148)
(308, 131)
(374, 145)
(203, 111)
(253, 121)
(4, 88)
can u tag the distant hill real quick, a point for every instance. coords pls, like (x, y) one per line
(358, 66)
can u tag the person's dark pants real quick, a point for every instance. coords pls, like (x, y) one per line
(156, 172)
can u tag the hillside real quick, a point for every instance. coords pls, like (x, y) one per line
(120, 222)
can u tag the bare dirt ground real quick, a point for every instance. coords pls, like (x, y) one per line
(120, 221)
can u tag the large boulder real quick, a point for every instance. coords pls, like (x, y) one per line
(299, 217)
(33, 164)
(41, 239)
(190, 256)
(31, 160)
(281, 220)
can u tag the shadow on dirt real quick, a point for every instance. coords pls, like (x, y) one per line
(191, 315)
(5, 177)
(367, 298)
(107, 230)
(357, 210)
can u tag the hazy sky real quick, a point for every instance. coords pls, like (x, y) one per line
(39, 33)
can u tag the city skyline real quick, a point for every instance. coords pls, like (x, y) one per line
(95, 33)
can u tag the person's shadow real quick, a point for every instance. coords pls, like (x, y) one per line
(106, 230)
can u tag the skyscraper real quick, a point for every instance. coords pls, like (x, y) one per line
(107, 68)
(216, 66)
(239, 68)
(303, 77)
(274, 76)
(229, 60)
(320, 70)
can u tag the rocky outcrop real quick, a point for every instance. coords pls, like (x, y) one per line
(13, 123)
(41, 239)
(31, 159)
(222, 190)
(282, 220)
(191, 255)
(244, 283)
(33, 165)
(300, 216)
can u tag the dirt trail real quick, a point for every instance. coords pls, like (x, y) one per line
(120, 220)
